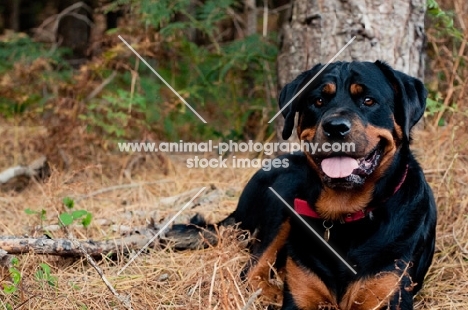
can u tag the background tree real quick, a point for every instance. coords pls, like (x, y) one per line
(314, 31)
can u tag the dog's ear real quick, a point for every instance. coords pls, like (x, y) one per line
(289, 92)
(410, 97)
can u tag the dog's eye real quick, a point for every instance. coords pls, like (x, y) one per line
(369, 101)
(318, 102)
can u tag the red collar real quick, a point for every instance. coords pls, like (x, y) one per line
(303, 208)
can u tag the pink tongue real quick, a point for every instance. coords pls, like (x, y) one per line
(339, 167)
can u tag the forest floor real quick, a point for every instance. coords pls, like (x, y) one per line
(203, 279)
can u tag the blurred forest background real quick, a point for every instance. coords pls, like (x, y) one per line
(91, 86)
(70, 90)
(63, 68)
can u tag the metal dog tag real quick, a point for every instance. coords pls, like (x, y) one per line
(326, 234)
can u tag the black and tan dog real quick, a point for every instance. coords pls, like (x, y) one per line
(372, 203)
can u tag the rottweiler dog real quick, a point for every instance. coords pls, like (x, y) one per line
(360, 189)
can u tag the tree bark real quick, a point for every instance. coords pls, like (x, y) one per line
(392, 31)
(250, 17)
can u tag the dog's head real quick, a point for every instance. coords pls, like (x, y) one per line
(355, 115)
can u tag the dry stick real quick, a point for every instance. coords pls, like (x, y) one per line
(194, 288)
(212, 282)
(265, 18)
(450, 92)
(392, 291)
(462, 248)
(80, 17)
(430, 171)
(101, 86)
(28, 171)
(117, 187)
(162, 79)
(448, 169)
(161, 231)
(465, 37)
(68, 11)
(224, 291)
(237, 286)
(252, 299)
(123, 299)
(28, 300)
(14, 172)
(132, 86)
(171, 200)
(198, 284)
(236, 20)
(130, 164)
(57, 17)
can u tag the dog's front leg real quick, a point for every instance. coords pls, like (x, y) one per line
(305, 290)
(386, 290)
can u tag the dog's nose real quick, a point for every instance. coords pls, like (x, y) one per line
(336, 127)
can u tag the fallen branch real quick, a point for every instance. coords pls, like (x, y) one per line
(133, 240)
(18, 177)
(136, 241)
(66, 247)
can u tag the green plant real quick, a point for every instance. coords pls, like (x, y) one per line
(11, 286)
(43, 275)
(222, 75)
(447, 76)
(27, 69)
(21, 48)
(15, 276)
(70, 216)
(40, 214)
(116, 113)
(443, 20)
(160, 13)
(434, 107)
(215, 74)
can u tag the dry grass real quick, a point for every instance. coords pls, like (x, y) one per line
(160, 279)
(205, 279)
(445, 162)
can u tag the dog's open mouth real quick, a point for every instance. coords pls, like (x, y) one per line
(342, 170)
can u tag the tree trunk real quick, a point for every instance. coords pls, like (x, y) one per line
(392, 31)
(74, 28)
(15, 15)
(250, 9)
